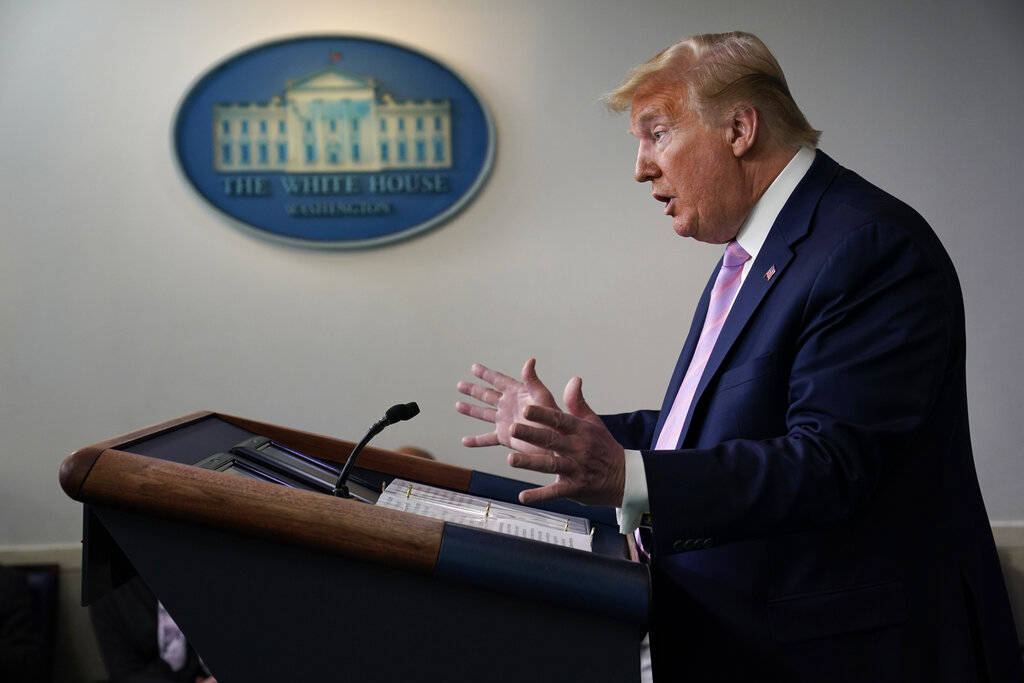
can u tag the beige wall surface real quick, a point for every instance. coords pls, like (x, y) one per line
(126, 300)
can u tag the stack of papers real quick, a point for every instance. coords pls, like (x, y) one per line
(484, 513)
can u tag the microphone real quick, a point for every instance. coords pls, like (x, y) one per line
(396, 413)
(400, 412)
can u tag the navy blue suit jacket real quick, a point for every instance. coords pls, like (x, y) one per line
(821, 518)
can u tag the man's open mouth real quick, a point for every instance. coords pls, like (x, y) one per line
(667, 201)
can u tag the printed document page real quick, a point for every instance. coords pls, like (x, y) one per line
(484, 513)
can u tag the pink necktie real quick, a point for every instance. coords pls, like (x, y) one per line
(170, 639)
(727, 285)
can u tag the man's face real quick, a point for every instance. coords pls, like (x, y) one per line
(691, 167)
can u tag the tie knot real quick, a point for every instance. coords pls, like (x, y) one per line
(734, 255)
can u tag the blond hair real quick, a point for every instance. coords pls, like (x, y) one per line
(723, 73)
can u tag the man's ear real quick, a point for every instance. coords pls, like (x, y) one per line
(743, 128)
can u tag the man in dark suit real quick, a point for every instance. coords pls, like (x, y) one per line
(813, 508)
(139, 641)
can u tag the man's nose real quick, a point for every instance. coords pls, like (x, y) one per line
(645, 168)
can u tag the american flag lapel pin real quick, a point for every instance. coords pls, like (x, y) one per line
(771, 271)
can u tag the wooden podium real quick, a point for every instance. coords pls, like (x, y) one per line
(271, 583)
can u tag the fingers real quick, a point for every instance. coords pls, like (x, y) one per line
(552, 417)
(488, 396)
(479, 412)
(548, 463)
(488, 439)
(493, 377)
(541, 437)
(573, 398)
(503, 383)
(557, 490)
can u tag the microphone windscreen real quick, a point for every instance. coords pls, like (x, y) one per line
(402, 411)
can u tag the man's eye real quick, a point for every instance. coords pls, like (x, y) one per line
(658, 135)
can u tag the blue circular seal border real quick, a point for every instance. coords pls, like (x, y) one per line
(258, 76)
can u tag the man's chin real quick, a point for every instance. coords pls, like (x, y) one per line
(683, 228)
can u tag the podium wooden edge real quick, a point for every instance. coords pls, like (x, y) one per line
(104, 474)
(258, 508)
(75, 468)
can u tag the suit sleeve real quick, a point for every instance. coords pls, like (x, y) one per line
(634, 431)
(872, 348)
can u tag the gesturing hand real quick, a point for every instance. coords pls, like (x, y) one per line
(509, 399)
(576, 446)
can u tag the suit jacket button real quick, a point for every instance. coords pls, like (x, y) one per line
(677, 546)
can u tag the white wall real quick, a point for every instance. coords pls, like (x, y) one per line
(126, 300)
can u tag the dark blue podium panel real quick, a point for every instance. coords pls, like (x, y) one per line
(262, 611)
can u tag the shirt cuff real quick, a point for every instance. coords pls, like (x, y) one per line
(634, 494)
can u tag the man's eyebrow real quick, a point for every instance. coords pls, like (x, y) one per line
(646, 115)
(651, 111)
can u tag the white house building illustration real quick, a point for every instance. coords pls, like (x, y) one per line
(332, 121)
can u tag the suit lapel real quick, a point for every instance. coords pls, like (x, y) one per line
(791, 225)
(774, 254)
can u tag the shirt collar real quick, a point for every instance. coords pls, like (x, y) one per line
(767, 208)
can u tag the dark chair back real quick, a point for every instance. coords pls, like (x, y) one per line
(44, 585)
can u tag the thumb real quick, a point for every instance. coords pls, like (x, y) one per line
(574, 401)
(529, 374)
